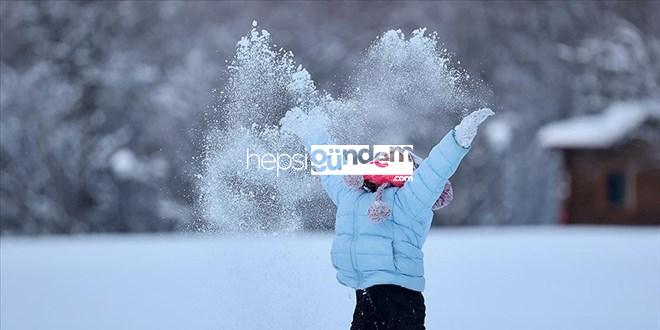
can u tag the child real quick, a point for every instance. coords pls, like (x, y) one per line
(381, 227)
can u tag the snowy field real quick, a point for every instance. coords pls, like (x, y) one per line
(521, 278)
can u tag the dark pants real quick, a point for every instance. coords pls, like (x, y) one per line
(388, 307)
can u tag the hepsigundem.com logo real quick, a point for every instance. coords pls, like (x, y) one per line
(339, 159)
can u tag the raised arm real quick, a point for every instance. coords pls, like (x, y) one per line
(311, 129)
(429, 179)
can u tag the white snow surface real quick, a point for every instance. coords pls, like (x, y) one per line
(517, 278)
(600, 130)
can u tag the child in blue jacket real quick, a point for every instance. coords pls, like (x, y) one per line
(380, 228)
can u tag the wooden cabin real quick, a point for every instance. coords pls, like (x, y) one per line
(611, 164)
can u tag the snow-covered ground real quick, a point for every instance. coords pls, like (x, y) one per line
(517, 278)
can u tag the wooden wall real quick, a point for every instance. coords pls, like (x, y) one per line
(620, 185)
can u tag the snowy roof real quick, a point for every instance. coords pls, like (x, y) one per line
(600, 130)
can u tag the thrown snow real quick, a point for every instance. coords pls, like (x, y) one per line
(601, 130)
(508, 279)
(403, 88)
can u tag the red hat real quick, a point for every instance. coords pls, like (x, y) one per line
(393, 180)
(381, 179)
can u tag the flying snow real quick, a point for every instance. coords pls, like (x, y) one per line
(402, 88)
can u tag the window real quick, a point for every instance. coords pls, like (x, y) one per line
(616, 188)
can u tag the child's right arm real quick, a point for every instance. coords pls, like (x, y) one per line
(312, 131)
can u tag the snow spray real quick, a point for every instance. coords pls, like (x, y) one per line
(402, 90)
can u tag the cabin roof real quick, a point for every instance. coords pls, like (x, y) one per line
(599, 131)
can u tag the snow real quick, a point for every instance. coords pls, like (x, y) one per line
(123, 163)
(499, 134)
(126, 165)
(262, 84)
(409, 83)
(517, 278)
(600, 130)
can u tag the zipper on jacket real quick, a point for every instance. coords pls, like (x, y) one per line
(353, 239)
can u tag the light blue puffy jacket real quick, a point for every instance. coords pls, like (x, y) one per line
(366, 253)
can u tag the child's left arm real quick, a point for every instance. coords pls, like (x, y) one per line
(429, 179)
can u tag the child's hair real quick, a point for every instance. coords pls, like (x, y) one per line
(369, 186)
